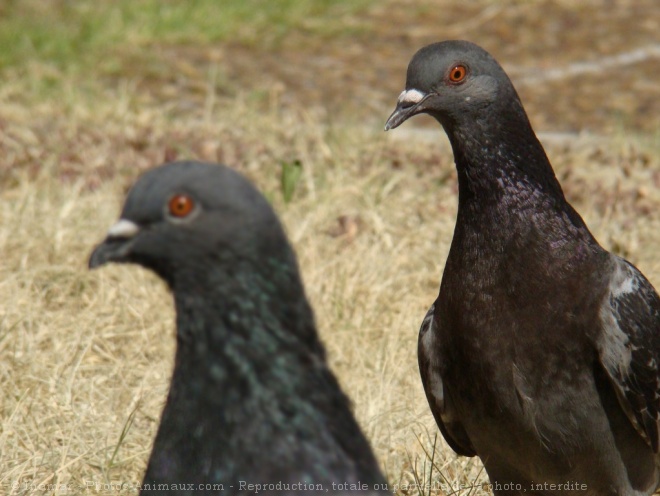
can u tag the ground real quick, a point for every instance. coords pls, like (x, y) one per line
(93, 94)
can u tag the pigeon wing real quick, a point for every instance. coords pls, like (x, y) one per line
(430, 369)
(629, 347)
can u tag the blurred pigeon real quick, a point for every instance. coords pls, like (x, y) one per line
(253, 407)
(541, 353)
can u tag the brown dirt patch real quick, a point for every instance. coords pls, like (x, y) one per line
(360, 72)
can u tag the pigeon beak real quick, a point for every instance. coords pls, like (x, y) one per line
(407, 105)
(117, 244)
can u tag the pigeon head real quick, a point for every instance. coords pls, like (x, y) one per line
(184, 217)
(453, 81)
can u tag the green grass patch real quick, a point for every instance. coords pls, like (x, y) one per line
(68, 33)
(49, 40)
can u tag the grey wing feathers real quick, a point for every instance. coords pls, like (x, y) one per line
(430, 365)
(629, 347)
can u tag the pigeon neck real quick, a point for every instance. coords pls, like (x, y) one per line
(246, 337)
(506, 184)
(502, 158)
(256, 307)
(251, 389)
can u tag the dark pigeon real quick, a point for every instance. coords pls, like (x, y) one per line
(540, 354)
(253, 406)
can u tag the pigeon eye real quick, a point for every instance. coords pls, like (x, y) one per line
(457, 74)
(180, 206)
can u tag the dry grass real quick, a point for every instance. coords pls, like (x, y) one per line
(86, 357)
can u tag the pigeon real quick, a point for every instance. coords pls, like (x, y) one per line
(540, 354)
(253, 406)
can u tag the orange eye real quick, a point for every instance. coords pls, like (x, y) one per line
(181, 206)
(457, 73)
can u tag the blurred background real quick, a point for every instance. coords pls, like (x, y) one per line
(592, 65)
(294, 94)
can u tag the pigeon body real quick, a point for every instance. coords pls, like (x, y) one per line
(540, 354)
(253, 407)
